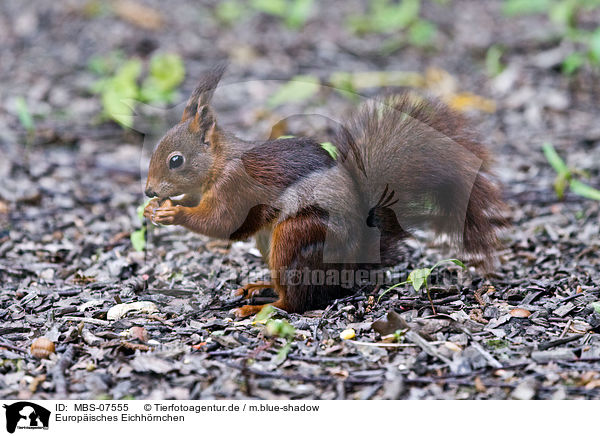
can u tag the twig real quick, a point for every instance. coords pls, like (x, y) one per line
(429, 298)
(381, 344)
(86, 320)
(491, 359)
(560, 341)
(426, 346)
(12, 347)
(58, 371)
(325, 359)
(566, 329)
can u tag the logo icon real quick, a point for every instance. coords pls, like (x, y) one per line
(26, 415)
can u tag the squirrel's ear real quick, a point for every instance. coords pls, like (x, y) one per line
(204, 123)
(203, 92)
(202, 119)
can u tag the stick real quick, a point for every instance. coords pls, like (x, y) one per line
(58, 372)
(86, 320)
(426, 346)
(560, 341)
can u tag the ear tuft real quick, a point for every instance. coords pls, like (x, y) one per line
(204, 91)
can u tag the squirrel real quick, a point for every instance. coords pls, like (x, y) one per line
(404, 163)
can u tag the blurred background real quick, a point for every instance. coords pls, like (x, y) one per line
(87, 86)
(527, 70)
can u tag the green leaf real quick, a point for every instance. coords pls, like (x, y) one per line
(342, 83)
(130, 71)
(299, 89)
(106, 64)
(493, 62)
(454, 261)
(385, 16)
(594, 46)
(596, 306)
(572, 63)
(421, 33)
(375, 79)
(400, 16)
(554, 159)
(265, 313)
(122, 86)
(497, 343)
(560, 185)
(24, 115)
(228, 12)
(418, 277)
(457, 262)
(331, 149)
(115, 108)
(140, 209)
(138, 239)
(584, 190)
(271, 7)
(524, 7)
(563, 12)
(282, 354)
(299, 13)
(280, 328)
(167, 71)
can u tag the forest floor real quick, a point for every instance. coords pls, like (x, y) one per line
(71, 185)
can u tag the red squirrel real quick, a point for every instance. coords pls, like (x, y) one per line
(404, 163)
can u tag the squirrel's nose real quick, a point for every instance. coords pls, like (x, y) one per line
(150, 193)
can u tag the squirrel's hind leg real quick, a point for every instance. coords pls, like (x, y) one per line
(296, 262)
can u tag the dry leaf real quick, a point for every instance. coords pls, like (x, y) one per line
(520, 313)
(479, 385)
(467, 101)
(120, 310)
(138, 14)
(452, 346)
(139, 333)
(392, 323)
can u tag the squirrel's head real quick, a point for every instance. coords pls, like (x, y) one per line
(181, 163)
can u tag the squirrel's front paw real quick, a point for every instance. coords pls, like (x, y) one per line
(168, 214)
(151, 208)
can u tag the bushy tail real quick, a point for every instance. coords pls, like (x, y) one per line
(418, 164)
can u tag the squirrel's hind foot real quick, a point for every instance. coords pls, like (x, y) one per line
(253, 309)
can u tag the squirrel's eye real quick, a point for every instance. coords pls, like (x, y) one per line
(175, 161)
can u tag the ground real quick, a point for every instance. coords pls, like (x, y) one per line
(71, 186)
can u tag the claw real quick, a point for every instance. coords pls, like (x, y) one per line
(251, 289)
(248, 310)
